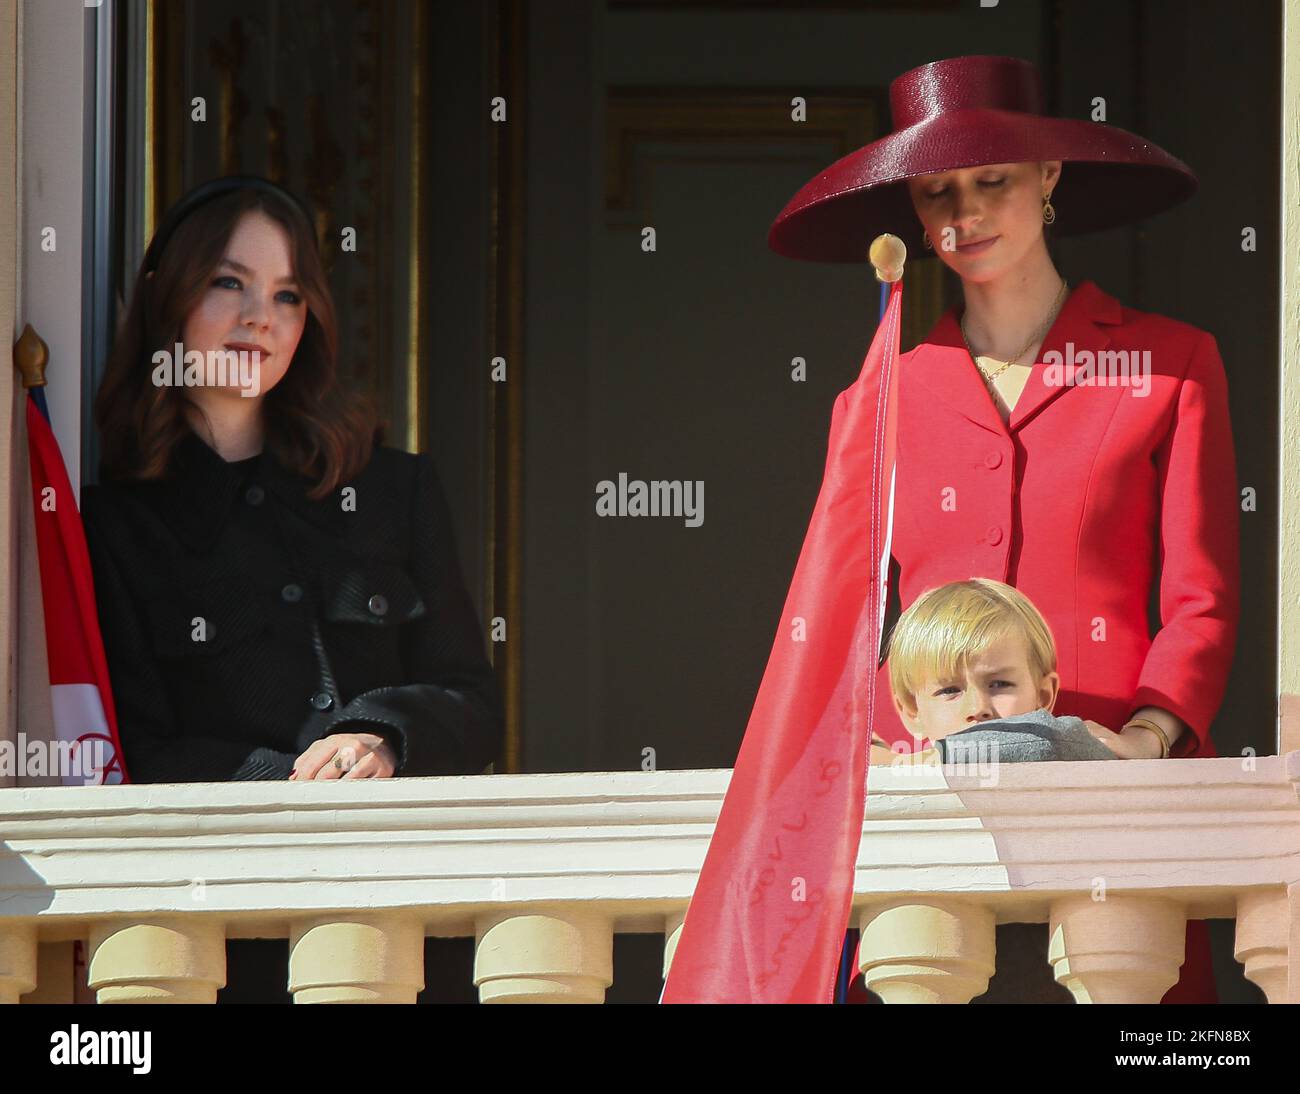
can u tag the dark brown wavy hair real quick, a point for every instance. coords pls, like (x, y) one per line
(313, 425)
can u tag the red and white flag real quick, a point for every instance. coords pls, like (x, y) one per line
(68, 732)
(767, 919)
(86, 743)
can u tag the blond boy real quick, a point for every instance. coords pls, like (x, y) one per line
(965, 653)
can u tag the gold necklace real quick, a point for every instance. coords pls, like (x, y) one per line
(989, 377)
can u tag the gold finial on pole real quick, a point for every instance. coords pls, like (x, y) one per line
(888, 253)
(31, 355)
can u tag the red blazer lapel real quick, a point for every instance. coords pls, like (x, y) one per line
(942, 363)
(1082, 325)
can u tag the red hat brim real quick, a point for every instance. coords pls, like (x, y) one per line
(1109, 177)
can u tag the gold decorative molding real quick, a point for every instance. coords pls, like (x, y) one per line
(416, 412)
(721, 117)
(503, 596)
(166, 110)
(227, 58)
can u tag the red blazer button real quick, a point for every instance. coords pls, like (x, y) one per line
(995, 536)
(993, 459)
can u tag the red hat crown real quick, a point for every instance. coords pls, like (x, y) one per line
(965, 83)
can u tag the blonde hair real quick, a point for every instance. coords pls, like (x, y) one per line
(943, 627)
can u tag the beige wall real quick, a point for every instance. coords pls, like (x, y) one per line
(9, 490)
(1289, 548)
(52, 176)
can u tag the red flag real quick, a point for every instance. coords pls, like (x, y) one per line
(84, 717)
(767, 919)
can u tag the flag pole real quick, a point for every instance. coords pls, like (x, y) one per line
(888, 256)
(774, 897)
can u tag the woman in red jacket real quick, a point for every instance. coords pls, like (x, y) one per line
(1050, 437)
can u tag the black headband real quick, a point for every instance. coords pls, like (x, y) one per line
(203, 194)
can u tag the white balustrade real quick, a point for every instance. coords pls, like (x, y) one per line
(543, 870)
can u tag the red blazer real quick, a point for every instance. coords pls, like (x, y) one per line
(1090, 500)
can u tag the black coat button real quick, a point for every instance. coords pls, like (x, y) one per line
(377, 604)
(255, 495)
(291, 593)
(322, 700)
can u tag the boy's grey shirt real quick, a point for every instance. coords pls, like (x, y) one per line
(1025, 738)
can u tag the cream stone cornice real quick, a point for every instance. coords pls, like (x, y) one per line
(630, 844)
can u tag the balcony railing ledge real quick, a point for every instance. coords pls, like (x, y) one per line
(631, 843)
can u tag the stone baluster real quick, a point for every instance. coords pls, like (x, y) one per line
(1262, 939)
(557, 955)
(17, 960)
(55, 969)
(356, 959)
(1124, 949)
(177, 959)
(672, 933)
(920, 950)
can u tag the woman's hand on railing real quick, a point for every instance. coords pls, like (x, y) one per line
(1133, 744)
(346, 756)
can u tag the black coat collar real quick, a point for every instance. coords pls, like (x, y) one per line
(204, 489)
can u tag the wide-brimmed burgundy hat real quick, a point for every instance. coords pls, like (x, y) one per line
(965, 112)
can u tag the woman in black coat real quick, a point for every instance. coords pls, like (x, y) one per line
(279, 595)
